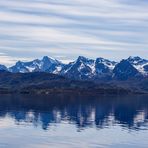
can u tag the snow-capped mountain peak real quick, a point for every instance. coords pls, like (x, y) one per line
(107, 63)
(46, 65)
(137, 60)
(83, 59)
(3, 68)
(84, 68)
(139, 63)
(81, 68)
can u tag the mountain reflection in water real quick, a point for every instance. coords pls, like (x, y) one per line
(130, 112)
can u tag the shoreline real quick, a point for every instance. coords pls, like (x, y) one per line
(99, 91)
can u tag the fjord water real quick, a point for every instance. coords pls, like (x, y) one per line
(73, 121)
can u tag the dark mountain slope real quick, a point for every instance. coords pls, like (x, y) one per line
(39, 82)
(124, 70)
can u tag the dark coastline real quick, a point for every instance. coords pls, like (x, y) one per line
(74, 91)
(46, 83)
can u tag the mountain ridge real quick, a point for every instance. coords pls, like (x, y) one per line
(85, 68)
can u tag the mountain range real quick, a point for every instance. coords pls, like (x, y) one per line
(84, 75)
(85, 69)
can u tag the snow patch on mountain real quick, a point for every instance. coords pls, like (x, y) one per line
(139, 64)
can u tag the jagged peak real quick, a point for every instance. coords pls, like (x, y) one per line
(45, 58)
(36, 60)
(135, 58)
(19, 63)
(50, 59)
(3, 67)
(99, 59)
(83, 59)
(124, 61)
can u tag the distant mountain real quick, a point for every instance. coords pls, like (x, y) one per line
(140, 64)
(124, 70)
(51, 65)
(84, 68)
(45, 65)
(88, 69)
(104, 69)
(3, 68)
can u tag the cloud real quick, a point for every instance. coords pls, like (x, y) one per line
(110, 28)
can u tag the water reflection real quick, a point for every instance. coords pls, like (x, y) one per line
(130, 112)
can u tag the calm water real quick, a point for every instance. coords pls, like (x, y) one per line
(73, 121)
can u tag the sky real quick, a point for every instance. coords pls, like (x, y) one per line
(65, 29)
